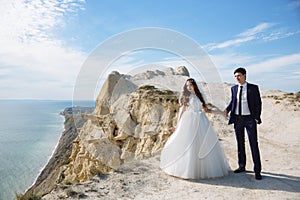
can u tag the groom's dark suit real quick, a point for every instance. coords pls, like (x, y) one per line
(248, 122)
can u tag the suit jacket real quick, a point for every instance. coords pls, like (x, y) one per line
(254, 102)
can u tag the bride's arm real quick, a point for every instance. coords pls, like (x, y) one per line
(182, 109)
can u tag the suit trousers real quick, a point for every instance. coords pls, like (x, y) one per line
(241, 123)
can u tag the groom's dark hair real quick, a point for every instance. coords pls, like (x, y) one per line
(240, 70)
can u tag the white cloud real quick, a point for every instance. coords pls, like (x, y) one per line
(31, 57)
(276, 72)
(279, 63)
(263, 69)
(229, 43)
(255, 30)
(262, 32)
(278, 35)
(28, 21)
(246, 36)
(229, 60)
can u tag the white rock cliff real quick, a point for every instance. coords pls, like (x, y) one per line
(129, 122)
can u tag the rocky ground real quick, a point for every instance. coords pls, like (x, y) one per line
(279, 141)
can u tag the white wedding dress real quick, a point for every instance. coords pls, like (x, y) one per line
(193, 151)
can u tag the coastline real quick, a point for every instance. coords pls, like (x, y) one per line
(52, 154)
(50, 174)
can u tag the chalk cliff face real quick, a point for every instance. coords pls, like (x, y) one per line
(132, 120)
(51, 174)
(129, 122)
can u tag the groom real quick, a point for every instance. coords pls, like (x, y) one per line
(245, 110)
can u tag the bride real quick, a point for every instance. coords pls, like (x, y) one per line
(193, 150)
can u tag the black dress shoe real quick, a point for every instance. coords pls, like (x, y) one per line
(258, 176)
(239, 170)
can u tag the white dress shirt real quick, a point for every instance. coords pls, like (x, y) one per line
(245, 107)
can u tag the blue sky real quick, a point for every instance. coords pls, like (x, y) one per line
(43, 44)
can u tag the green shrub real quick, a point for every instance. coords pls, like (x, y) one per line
(28, 196)
(67, 182)
(94, 171)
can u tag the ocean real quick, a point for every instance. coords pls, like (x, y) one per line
(29, 133)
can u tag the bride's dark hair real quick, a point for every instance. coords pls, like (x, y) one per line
(184, 100)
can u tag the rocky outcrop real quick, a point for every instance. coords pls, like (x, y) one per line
(136, 127)
(114, 86)
(132, 119)
(182, 70)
